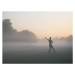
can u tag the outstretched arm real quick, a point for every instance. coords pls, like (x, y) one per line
(46, 38)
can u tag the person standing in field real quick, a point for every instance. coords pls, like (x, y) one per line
(50, 44)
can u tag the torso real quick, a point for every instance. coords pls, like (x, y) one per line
(50, 42)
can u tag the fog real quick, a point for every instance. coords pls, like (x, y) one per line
(63, 41)
(26, 37)
(26, 47)
(36, 54)
(12, 35)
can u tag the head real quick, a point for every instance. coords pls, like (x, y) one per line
(50, 38)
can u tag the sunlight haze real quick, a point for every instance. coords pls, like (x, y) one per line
(43, 24)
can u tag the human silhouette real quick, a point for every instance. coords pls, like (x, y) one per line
(50, 44)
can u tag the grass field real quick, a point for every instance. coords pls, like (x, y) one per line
(37, 55)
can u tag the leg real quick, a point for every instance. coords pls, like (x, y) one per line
(53, 49)
(49, 49)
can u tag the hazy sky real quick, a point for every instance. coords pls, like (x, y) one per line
(43, 24)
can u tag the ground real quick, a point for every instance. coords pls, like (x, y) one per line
(36, 55)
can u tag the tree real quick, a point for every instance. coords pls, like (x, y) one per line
(28, 36)
(7, 28)
(10, 34)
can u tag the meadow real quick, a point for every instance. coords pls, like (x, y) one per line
(30, 54)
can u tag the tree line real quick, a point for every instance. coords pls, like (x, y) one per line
(11, 34)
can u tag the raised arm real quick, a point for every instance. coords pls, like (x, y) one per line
(46, 38)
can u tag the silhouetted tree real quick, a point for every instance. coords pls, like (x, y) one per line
(10, 34)
(7, 28)
(28, 36)
(69, 38)
(8, 31)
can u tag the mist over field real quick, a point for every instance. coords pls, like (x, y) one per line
(26, 47)
(37, 54)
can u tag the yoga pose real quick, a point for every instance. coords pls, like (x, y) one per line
(50, 44)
